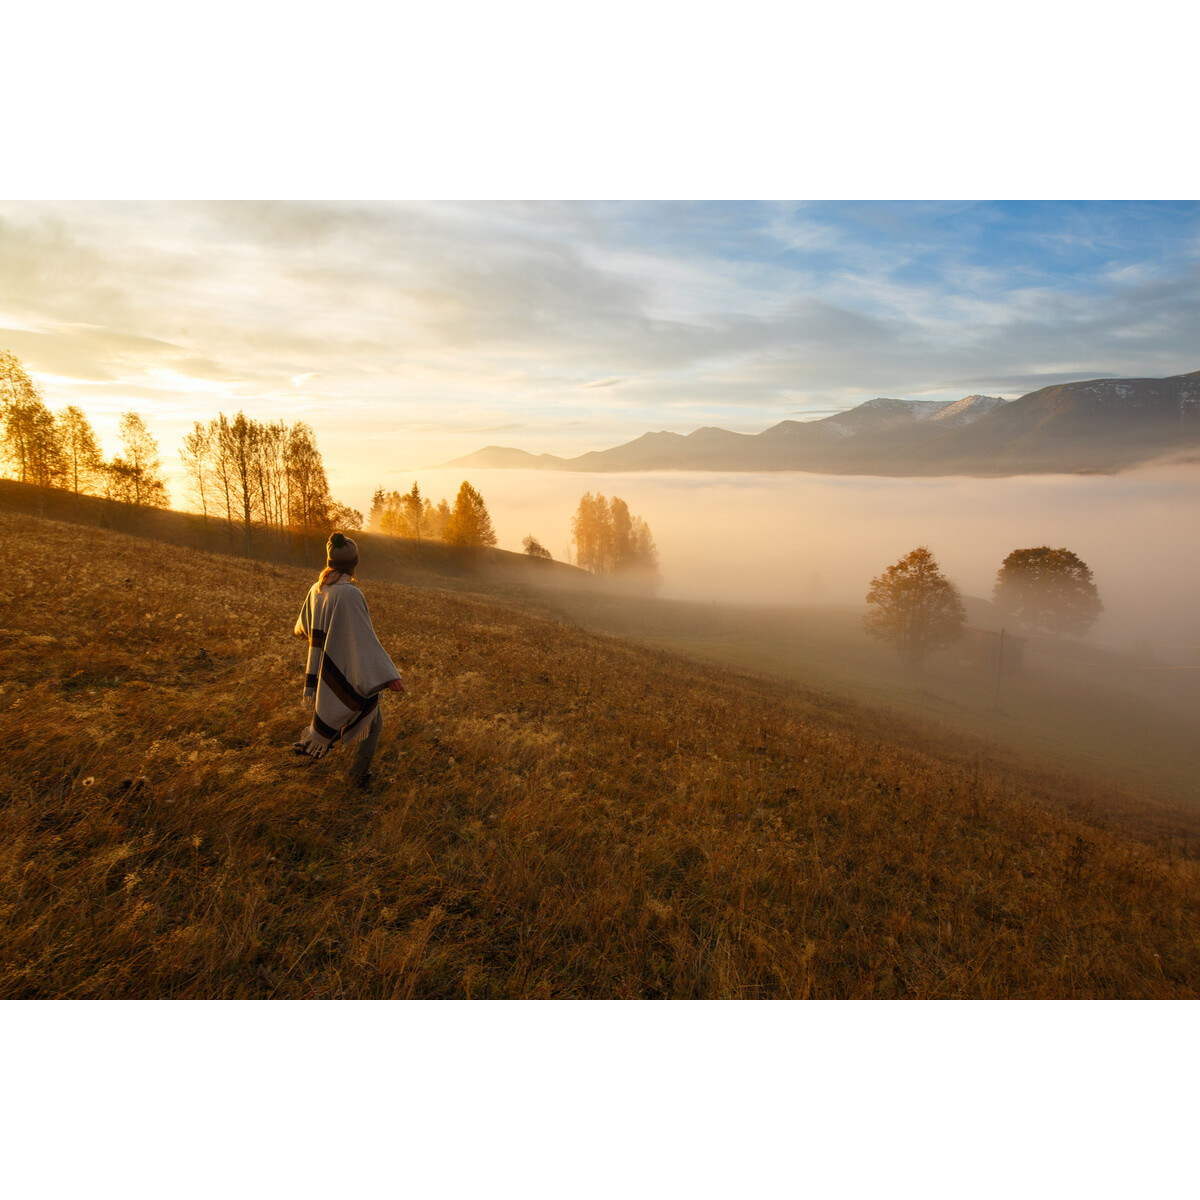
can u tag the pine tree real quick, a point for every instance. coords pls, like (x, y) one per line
(469, 524)
(414, 511)
(378, 507)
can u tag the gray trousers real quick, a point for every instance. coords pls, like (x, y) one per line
(365, 750)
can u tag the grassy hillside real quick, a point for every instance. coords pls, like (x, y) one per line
(558, 814)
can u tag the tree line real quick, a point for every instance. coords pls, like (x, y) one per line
(268, 476)
(262, 474)
(61, 449)
(610, 540)
(915, 608)
(254, 475)
(412, 515)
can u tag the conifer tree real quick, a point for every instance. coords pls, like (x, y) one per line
(414, 511)
(378, 507)
(469, 524)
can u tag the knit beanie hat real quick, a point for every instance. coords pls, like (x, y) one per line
(341, 553)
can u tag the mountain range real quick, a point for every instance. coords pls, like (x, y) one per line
(1095, 425)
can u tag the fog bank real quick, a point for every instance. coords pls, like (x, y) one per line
(789, 537)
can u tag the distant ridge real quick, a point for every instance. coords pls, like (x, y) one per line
(1095, 425)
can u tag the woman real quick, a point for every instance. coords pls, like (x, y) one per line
(347, 667)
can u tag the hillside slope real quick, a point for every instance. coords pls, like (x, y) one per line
(559, 814)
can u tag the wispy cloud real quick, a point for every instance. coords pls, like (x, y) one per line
(474, 317)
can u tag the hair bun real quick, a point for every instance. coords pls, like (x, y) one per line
(337, 541)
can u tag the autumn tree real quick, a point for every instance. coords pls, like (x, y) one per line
(414, 511)
(270, 472)
(28, 436)
(1048, 590)
(309, 499)
(345, 518)
(46, 465)
(609, 540)
(534, 548)
(591, 531)
(196, 454)
(469, 523)
(915, 607)
(83, 463)
(236, 450)
(121, 481)
(378, 507)
(439, 520)
(140, 467)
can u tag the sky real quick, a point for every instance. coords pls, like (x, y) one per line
(411, 332)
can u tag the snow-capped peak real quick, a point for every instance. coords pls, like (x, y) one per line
(968, 409)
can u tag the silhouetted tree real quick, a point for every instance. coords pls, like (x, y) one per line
(915, 607)
(1049, 590)
(469, 524)
(534, 548)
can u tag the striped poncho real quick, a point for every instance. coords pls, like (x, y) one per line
(347, 667)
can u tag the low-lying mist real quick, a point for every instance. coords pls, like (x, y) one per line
(796, 538)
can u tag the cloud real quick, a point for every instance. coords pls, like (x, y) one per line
(662, 313)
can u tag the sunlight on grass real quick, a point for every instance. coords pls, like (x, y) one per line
(559, 814)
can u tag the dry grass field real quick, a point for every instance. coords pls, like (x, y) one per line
(557, 813)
